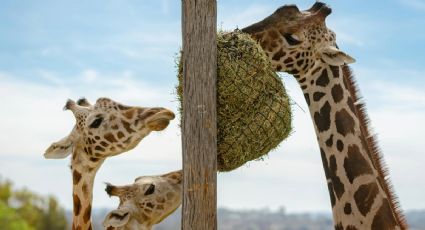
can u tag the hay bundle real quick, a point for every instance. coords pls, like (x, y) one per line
(253, 110)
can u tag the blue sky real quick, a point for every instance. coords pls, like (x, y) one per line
(54, 50)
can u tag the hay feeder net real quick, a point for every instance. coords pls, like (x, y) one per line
(253, 109)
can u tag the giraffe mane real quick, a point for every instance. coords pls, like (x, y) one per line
(372, 145)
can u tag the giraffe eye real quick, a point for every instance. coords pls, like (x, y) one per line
(96, 123)
(150, 190)
(292, 39)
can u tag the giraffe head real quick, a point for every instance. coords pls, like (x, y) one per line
(298, 40)
(107, 128)
(146, 202)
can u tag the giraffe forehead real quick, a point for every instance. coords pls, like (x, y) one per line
(161, 186)
(112, 115)
(319, 35)
(107, 104)
(143, 180)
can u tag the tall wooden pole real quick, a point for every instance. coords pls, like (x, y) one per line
(199, 124)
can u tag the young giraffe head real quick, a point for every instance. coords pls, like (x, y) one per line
(146, 202)
(296, 41)
(108, 128)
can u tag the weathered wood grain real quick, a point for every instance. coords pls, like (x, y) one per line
(199, 131)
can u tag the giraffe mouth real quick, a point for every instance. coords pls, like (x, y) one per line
(160, 119)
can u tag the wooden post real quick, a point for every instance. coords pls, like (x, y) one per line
(199, 124)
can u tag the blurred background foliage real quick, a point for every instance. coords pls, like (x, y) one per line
(22, 209)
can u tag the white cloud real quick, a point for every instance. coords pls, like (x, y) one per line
(165, 7)
(352, 30)
(401, 97)
(228, 20)
(415, 4)
(89, 75)
(49, 76)
(400, 134)
(51, 51)
(34, 114)
(393, 86)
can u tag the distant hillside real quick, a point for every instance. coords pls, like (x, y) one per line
(262, 220)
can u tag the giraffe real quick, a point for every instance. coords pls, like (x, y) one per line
(299, 43)
(102, 130)
(146, 202)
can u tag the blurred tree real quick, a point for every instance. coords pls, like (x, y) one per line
(29, 206)
(24, 209)
(54, 218)
(10, 220)
(5, 190)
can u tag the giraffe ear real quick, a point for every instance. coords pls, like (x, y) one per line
(117, 218)
(334, 56)
(62, 148)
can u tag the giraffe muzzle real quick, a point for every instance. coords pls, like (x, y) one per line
(159, 118)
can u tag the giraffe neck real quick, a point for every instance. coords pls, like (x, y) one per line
(358, 189)
(83, 174)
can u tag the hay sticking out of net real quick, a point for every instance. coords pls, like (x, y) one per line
(253, 110)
